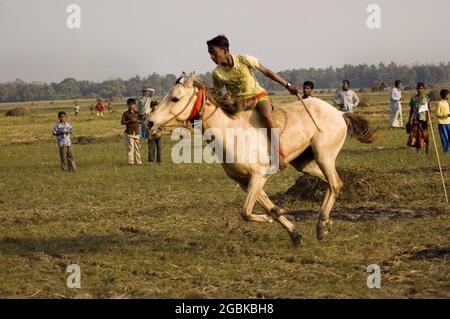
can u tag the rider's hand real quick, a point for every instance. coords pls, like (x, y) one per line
(293, 89)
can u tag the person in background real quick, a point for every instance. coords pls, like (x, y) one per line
(144, 108)
(396, 117)
(185, 134)
(144, 102)
(132, 120)
(345, 98)
(181, 79)
(100, 108)
(308, 88)
(76, 109)
(418, 119)
(109, 107)
(154, 141)
(62, 131)
(92, 108)
(443, 114)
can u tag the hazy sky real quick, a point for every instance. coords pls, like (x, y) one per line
(122, 38)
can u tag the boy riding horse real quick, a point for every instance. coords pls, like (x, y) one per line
(236, 74)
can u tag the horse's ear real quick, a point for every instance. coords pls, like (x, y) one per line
(189, 82)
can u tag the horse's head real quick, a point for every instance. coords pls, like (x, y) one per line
(182, 102)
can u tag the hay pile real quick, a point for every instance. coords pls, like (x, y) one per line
(21, 111)
(84, 140)
(359, 186)
(434, 95)
(363, 103)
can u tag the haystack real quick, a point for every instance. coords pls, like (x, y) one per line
(434, 95)
(21, 111)
(359, 186)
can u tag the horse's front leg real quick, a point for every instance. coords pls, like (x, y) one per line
(253, 189)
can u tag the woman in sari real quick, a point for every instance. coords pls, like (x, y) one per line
(418, 119)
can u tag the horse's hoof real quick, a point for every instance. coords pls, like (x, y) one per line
(275, 212)
(282, 211)
(323, 228)
(297, 239)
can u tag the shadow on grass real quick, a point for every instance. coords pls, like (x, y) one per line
(433, 253)
(59, 246)
(362, 214)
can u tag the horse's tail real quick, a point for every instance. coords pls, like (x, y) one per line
(360, 128)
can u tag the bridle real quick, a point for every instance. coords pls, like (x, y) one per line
(199, 105)
(197, 110)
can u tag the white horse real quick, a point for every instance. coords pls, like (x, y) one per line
(307, 148)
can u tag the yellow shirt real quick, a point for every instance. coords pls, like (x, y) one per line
(443, 111)
(239, 80)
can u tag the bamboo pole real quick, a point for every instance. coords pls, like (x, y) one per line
(437, 154)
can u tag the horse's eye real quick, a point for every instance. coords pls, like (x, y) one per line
(175, 99)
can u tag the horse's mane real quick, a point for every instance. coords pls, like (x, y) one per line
(216, 97)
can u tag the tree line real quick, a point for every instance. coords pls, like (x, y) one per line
(361, 76)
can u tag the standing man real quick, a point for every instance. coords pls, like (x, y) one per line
(154, 141)
(345, 98)
(181, 78)
(144, 108)
(396, 117)
(131, 119)
(144, 102)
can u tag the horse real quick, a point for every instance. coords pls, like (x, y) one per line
(311, 133)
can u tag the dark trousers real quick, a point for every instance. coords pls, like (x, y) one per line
(154, 150)
(66, 155)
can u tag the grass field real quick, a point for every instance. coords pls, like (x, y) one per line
(175, 230)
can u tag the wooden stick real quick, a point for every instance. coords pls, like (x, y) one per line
(307, 110)
(437, 154)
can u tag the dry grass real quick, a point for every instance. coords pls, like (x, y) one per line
(175, 230)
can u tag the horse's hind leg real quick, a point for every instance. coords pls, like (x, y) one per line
(334, 186)
(267, 203)
(308, 165)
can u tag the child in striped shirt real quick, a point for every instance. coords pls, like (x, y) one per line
(62, 132)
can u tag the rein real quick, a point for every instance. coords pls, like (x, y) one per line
(176, 115)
